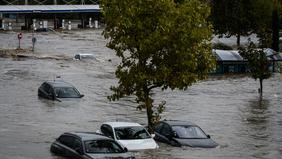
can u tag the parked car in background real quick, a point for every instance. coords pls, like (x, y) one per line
(58, 89)
(182, 133)
(131, 135)
(85, 145)
(84, 56)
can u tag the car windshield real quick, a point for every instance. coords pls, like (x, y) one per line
(189, 132)
(102, 146)
(131, 133)
(66, 92)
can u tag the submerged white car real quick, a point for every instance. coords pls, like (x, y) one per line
(133, 136)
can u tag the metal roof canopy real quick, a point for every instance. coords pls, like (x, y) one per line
(233, 55)
(49, 8)
(228, 55)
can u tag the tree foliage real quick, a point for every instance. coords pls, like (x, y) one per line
(162, 44)
(258, 63)
(241, 17)
(276, 19)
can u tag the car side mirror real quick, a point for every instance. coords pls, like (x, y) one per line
(208, 136)
(174, 134)
(109, 136)
(125, 149)
(82, 95)
(153, 135)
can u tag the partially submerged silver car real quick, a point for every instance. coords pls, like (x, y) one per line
(86, 145)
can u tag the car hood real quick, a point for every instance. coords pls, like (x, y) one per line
(139, 144)
(204, 143)
(109, 156)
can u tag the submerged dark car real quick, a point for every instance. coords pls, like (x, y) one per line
(58, 89)
(182, 133)
(86, 145)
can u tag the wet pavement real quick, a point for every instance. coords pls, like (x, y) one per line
(228, 109)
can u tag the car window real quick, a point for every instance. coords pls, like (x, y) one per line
(77, 145)
(47, 88)
(133, 132)
(107, 130)
(189, 132)
(67, 140)
(159, 127)
(102, 146)
(166, 130)
(66, 92)
(77, 56)
(43, 86)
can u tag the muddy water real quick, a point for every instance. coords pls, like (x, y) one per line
(227, 109)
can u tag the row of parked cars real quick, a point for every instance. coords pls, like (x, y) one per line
(115, 139)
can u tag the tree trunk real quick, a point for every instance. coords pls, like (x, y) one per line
(149, 117)
(149, 109)
(261, 88)
(238, 40)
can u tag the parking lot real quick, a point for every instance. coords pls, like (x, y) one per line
(228, 109)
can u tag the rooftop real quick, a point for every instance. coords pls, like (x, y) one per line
(88, 135)
(121, 124)
(59, 83)
(49, 8)
(178, 122)
(233, 55)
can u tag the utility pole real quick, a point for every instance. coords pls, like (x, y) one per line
(26, 2)
(55, 2)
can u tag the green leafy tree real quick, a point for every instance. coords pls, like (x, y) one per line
(258, 64)
(276, 15)
(162, 44)
(231, 17)
(241, 17)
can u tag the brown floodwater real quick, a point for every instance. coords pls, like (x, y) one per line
(228, 109)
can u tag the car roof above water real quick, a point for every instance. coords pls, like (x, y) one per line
(122, 124)
(88, 135)
(179, 122)
(59, 83)
(81, 56)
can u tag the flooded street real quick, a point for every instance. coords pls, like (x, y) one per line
(227, 109)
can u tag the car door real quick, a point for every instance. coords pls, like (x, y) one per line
(107, 131)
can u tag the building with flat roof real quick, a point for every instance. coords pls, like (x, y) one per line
(48, 2)
(231, 62)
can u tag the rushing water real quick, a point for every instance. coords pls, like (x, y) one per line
(228, 108)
